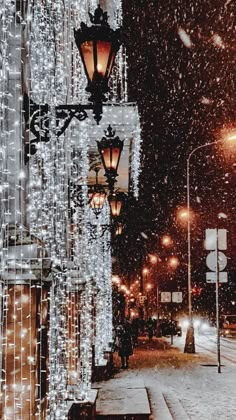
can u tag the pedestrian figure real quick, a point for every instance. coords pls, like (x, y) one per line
(135, 331)
(124, 344)
(150, 329)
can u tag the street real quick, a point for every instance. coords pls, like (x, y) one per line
(207, 344)
(184, 386)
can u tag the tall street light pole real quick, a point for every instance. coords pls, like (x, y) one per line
(190, 341)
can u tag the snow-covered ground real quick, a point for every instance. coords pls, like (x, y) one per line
(190, 385)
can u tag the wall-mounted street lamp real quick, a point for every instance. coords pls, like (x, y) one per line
(97, 196)
(110, 148)
(119, 229)
(116, 202)
(98, 45)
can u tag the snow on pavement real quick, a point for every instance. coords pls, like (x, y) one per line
(183, 382)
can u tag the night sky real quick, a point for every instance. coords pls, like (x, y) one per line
(181, 57)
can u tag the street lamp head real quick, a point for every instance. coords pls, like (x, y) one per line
(97, 196)
(110, 148)
(98, 45)
(119, 229)
(227, 134)
(116, 201)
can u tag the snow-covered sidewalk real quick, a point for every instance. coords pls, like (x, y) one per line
(180, 386)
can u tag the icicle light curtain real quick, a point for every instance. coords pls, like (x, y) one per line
(55, 295)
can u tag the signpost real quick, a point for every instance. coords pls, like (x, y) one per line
(174, 297)
(216, 261)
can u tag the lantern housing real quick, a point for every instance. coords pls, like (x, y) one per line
(116, 201)
(97, 196)
(110, 148)
(98, 45)
(119, 229)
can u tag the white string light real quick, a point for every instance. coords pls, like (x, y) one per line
(37, 196)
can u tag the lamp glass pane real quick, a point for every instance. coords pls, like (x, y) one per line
(111, 64)
(115, 157)
(87, 52)
(103, 52)
(111, 157)
(106, 157)
(119, 229)
(115, 207)
(97, 200)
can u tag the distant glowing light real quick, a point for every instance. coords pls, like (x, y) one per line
(231, 137)
(196, 323)
(206, 101)
(166, 240)
(115, 279)
(217, 41)
(173, 262)
(153, 258)
(222, 215)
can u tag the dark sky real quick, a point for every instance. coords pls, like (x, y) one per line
(181, 57)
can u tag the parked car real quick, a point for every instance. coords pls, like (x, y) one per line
(228, 325)
(168, 327)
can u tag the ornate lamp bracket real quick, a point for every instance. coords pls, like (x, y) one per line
(37, 119)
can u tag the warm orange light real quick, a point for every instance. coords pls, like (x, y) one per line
(228, 143)
(115, 206)
(153, 258)
(173, 262)
(97, 200)
(115, 279)
(103, 54)
(166, 240)
(111, 157)
(228, 134)
(149, 286)
(119, 229)
(231, 137)
(183, 214)
(145, 271)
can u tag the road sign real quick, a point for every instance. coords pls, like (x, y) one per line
(211, 277)
(216, 239)
(142, 299)
(177, 297)
(165, 297)
(216, 260)
(211, 260)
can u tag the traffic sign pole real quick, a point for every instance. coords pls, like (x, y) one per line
(217, 306)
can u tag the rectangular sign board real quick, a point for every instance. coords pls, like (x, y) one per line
(211, 277)
(142, 299)
(177, 297)
(165, 297)
(216, 239)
